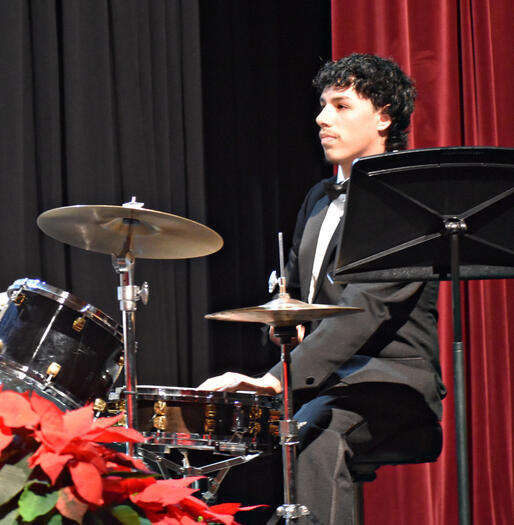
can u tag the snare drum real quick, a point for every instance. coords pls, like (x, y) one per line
(57, 344)
(232, 423)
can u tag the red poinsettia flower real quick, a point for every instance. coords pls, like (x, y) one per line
(70, 440)
(171, 502)
(15, 412)
(117, 489)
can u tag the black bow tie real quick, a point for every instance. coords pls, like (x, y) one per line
(333, 189)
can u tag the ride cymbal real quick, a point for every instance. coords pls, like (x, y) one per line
(149, 234)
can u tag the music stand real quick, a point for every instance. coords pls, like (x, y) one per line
(432, 214)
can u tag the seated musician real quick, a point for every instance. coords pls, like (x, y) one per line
(365, 377)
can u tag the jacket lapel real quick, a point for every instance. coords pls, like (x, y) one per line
(328, 258)
(308, 244)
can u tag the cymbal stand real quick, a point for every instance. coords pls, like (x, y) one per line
(290, 510)
(128, 295)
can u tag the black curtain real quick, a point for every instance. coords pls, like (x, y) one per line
(200, 108)
(262, 152)
(99, 101)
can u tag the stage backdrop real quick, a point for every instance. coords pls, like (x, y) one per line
(460, 54)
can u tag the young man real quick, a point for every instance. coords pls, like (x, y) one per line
(360, 378)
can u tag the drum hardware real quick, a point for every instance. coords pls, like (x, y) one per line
(209, 426)
(99, 406)
(18, 298)
(160, 422)
(274, 422)
(159, 408)
(51, 373)
(166, 467)
(79, 324)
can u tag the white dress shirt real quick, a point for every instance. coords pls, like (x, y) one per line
(332, 218)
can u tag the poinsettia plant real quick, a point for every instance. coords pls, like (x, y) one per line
(54, 467)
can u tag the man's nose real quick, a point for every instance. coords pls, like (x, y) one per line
(323, 118)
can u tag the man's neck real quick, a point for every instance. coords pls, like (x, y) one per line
(341, 174)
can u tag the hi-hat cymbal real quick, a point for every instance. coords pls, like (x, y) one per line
(149, 234)
(283, 311)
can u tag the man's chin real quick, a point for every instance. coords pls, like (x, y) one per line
(331, 159)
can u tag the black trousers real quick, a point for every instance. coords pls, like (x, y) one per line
(340, 422)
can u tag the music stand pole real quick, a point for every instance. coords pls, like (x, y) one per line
(455, 227)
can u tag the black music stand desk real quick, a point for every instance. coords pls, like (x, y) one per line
(432, 214)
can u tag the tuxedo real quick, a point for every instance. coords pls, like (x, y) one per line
(360, 377)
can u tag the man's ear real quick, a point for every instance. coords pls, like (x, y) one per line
(384, 119)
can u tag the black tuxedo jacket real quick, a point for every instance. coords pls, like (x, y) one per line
(393, 339)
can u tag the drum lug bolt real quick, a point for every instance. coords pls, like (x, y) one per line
(79, 324)
(52, 371)
(99, 406)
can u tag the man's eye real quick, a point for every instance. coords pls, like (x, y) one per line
(341, 106)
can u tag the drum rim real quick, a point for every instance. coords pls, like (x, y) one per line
(36, 382)
(155, 392)
(67, 299)
(197, 441)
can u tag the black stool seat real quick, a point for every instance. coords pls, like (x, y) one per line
(411, 445)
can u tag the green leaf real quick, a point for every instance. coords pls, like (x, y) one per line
(32, 505)
(12, 479)
(56, 519)
(126, 515)
(10, 518)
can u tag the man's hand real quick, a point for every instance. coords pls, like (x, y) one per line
(231, 381)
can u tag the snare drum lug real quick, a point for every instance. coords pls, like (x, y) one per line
(1, 345)
(159, 408)
(274, 418)
(121, 360)
(79, 324)
(209, 426)
(160, 422)
(52, 371)
(255, 412)
(254, 428)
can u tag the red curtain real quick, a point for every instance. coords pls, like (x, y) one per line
(460, 54)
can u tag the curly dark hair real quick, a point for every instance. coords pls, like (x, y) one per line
(382, 82)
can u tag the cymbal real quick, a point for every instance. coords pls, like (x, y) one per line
(283, 311)
(148, 233)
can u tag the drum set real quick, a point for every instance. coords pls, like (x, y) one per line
(72, 353)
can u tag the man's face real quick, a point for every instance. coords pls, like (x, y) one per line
(350, 126)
